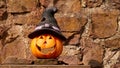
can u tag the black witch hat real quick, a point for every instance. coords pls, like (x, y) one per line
(48, 25)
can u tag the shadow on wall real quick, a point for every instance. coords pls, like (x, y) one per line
(4, 16)
(95, 64)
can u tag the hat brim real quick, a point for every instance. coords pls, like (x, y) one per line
(53, 32)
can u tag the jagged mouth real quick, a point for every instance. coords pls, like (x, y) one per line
(45, 50)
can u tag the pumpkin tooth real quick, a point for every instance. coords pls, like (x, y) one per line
(47, 50)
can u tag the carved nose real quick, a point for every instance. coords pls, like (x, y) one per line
(45, 42)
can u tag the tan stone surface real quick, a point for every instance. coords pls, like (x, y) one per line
(113, 44)
(114, 4)
(33, 17)
(16, 6)
(14, 44)
(111, 58)
(92, 53)
(70, 50)
(16, 48)
(66, 23)
(2, 3)
(104, 24)
(91, 3)
(16, 61)
(68, 6)
(3, 14)
(71, 60)
(45, 3)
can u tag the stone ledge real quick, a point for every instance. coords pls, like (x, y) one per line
(44, 66)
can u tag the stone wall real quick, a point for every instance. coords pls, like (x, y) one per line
(92, 29)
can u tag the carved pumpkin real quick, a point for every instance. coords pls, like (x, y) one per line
(46, 46)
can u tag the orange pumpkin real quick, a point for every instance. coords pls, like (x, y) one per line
(46, 46)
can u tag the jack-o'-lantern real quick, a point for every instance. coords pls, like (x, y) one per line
(46, 46)
(47, 38)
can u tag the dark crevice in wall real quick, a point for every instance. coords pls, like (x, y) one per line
(72, 36)
(5, 16)
(38, 4)
(19, 13)
(55, 1)
(118, 23)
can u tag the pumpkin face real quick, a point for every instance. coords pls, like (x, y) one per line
(46, 46)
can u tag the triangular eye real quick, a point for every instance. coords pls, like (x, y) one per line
(41, 37)
(50, 37)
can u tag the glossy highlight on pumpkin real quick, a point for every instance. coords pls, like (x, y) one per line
(46, 46)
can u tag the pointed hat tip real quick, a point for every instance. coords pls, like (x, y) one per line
(52, 9)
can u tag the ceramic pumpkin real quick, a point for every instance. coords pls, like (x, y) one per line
(46, 46)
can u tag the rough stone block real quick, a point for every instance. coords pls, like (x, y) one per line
(70, 60)
(71, 23)
(46, 3)
(91, 3)
(116, 65)
(92, 52)
(111, 57)
(75, 40)
(70, 50)
(113, 44)
(45, 62)
(68, 6)
(2, 3)
(16, 6)
(114, 4)
(32, 17)
(11, 60)
(3, 14)
(72, 38)
(15, 44)
(104, 24)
